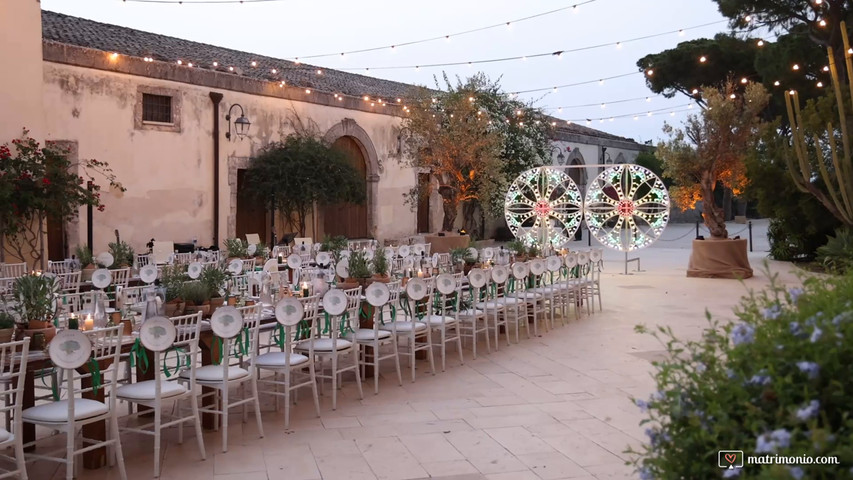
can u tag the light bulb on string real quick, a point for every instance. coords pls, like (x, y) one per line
(308, 90)
(681, 33)
(826, 68)
(744, 80)
(703, 59)
(776, 83)
(819, 84)
(761, 43)
(650, 72)
(601, 82)
(254, 63)
(215, 64)
(795, 67)
(822, 22)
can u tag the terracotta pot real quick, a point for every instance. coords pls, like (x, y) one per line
(381, 278)
(217, 302)
(204, 309)
(6, 335)
(86, 273)
(174, 308)
(38, 325)
(349, 284)
(467, 268)
(49, 333)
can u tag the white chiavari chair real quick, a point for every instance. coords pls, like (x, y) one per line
(60, 266)
(411, 325)
(69, 282)
(378, 297)
(14, 270)
(163, 336)
(534, 301)
(98, 351)
(296, 320)
(13, 365)
(473, 322)
(443, 317)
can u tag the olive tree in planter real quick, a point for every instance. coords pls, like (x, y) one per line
(711, 149)
(293, 175)
(37, 182)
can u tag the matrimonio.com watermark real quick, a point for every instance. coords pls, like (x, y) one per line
(734, 459)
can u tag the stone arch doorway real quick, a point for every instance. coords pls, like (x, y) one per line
(348, 219)
(360, 144)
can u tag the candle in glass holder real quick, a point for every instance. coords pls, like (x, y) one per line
(89, 323)
(420, 273)
(305, 289)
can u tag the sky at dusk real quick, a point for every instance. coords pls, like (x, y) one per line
(288, 29)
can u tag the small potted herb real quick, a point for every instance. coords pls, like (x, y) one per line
(7, 327)
(87, 262)
(122, 253)
(197, 298)
(334, 245)
(172, 279)
(261, 251)
(235, 248)
(462, 256)
(36, 305)
(214, 279)
(380, 266)
(359, 268)
(518, 248)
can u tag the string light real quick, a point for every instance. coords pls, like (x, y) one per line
(230, 69)
(557, 53)
(273, 71)
(703, 59)
(819, 84)
(180, 62)
(761, 43)
(822, 23)
(796, 67)
(588, 82)
(215, 64)
(307, 90)
(744, 80)
(254, 63)
(650, 72)
(776, 83)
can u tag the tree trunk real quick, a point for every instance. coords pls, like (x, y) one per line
(713, 215)
(451, 204)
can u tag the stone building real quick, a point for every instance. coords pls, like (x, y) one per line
(155, 108)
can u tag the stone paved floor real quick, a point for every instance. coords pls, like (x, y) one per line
(551, 407)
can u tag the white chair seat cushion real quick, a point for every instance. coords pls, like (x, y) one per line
(470, 313)
(213, 373)
(278, 359)
(366, 335)
(544, 290)
(499, 303)
(145, 390)
(324, 345)
(527, 295)
(405, 326)
(438, 320)
(57, 412)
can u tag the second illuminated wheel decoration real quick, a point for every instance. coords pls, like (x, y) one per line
(543, 207)
(627, 207)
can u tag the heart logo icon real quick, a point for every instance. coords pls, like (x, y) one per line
(731, 457)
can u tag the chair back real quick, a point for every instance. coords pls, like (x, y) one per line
(248, 265)
(69, 282)
(184, 258)
(499, 276)
(96, 350)
(14, 270)
(61, 266)
(233, 336)
(518, 281)
(121, 276)
(290, 315)
(13, 369)
(143, 259)
(175, 347)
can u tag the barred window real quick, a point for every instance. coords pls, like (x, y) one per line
(156, 108)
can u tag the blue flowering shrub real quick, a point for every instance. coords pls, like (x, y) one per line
(778, 382)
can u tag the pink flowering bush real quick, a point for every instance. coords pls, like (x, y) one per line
(775, 382)
(37, 182)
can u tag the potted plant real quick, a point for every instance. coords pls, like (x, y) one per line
(36, 305)
(197, 298)
(87, 262)
(518, 248)
(122, 253)
(235, 248)
(214, 278)
(359, 268)
(461, 255)
(261, 251)
(172, 279)
(380, 266)
(7, 327)
(533, 251)
(334, 245)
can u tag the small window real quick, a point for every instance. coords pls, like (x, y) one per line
(156, 108)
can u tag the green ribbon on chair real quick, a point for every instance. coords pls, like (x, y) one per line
(511, 285)
(345, 324)
(138, 357)
(241, 344)
(328, 325)
(95, 370)
(178, 364)
(278, 336)
(406, 308)
(216, 345)
(54, 391)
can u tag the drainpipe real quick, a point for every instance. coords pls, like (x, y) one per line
(215, 97)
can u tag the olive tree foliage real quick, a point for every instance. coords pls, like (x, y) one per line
(291, 175)
(473, 139)
(712, 147)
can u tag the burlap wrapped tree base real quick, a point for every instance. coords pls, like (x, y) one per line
(719, 259)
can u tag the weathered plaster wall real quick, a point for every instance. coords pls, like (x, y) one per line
(169, 175)
(20, 82)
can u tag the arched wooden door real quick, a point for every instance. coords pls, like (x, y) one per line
(348, 219)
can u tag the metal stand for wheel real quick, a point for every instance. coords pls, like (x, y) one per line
(629, 260)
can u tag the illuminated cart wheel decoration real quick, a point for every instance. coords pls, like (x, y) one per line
(627, 207)
(543, 207)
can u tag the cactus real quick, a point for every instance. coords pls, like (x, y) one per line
(838, 183)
